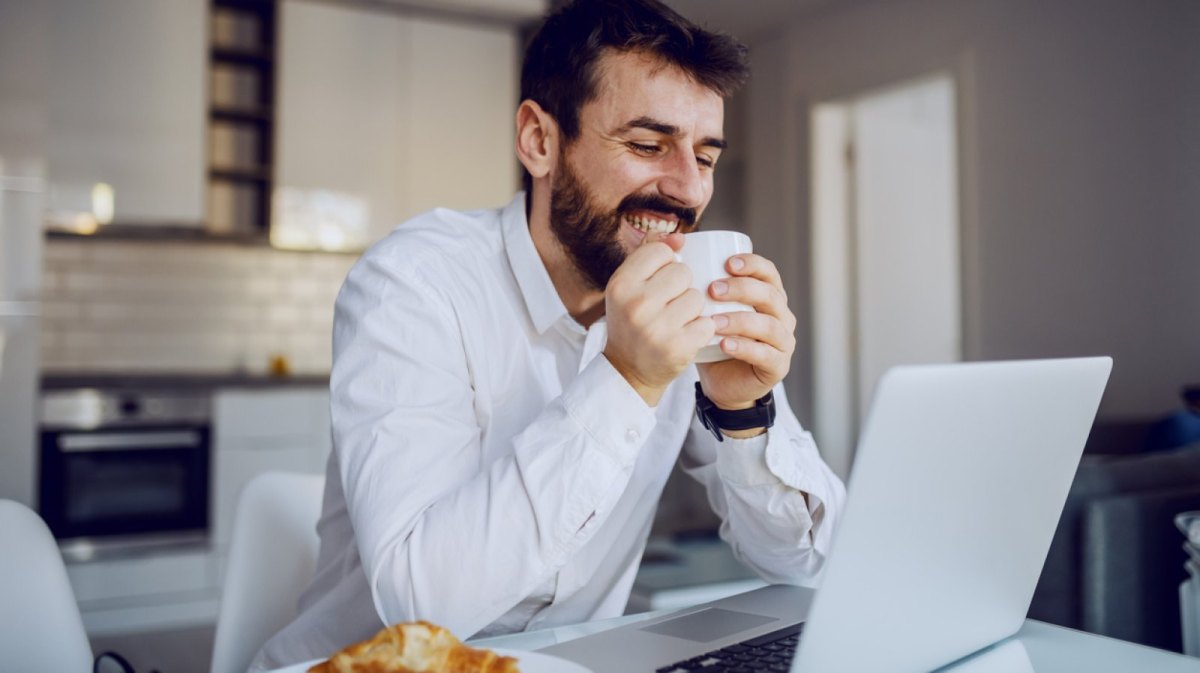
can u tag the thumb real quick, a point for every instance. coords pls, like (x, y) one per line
(673, 240)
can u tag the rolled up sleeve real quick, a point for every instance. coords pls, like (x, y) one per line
(777, 499)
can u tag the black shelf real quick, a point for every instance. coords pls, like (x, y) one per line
(233, 174)
(244, 115)
(242, 56)
(242, 51)
(164, 233)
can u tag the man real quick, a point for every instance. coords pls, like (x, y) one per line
(511, 388)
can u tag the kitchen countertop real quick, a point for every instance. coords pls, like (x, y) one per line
(176, 381)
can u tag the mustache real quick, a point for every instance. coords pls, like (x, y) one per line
(687, 216)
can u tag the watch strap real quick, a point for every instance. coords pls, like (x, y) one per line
(714, 419)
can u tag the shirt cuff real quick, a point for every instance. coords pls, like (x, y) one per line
(610, 410)
(743, 461)
(771, 458)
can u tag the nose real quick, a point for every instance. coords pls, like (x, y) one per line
(683, 181)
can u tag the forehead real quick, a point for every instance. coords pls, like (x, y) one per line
(635, 84)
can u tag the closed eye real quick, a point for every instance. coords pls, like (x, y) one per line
(643, 149)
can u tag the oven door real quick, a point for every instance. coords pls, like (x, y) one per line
(126, 482)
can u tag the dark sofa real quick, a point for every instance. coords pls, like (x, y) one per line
(1116, 562)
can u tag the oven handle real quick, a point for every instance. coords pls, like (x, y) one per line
(91, 441)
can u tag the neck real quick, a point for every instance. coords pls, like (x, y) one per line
(583, 302)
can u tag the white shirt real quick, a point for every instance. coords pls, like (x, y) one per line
(492, 472)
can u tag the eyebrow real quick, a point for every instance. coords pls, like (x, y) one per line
(652, 124)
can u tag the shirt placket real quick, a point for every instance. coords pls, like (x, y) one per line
(568, 577)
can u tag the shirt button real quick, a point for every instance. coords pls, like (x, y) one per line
(632, 436)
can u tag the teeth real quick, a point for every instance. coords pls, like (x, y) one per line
(648, 224)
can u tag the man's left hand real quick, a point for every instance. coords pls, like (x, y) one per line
(761, 343)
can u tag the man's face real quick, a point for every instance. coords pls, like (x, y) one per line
(643, 161)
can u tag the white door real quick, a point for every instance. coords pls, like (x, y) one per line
(887, 282)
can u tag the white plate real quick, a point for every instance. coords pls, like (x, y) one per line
(528, 662)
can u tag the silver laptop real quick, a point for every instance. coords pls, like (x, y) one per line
(960, 477)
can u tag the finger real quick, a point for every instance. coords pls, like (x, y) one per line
(762, 296)
(683, 309)
(757, 326)
(697, 333)
(670, 280)
(771, 363)
(650, 296)
(673, 240)
(755, 266)
(643, 262)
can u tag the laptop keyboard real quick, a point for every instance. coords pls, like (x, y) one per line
(769, 652)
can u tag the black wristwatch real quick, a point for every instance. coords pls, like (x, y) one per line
(715, 419)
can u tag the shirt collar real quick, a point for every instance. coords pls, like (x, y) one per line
(541, 298)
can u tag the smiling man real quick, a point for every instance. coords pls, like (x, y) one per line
(512, 387)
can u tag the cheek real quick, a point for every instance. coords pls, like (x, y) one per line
(611, 181)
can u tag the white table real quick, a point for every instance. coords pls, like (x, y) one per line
(1037, 648)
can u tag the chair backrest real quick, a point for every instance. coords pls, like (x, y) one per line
(41, 629)
(272, 557)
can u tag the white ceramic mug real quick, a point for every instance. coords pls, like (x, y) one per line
(705, 253)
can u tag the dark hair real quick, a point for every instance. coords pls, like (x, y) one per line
(559, 70)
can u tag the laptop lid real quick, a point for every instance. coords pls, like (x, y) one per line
(961, 474)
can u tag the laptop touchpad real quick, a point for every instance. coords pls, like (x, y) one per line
(708, 624)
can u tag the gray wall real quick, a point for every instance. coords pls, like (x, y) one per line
(1080, 167)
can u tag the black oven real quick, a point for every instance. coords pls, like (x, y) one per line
(124, 469)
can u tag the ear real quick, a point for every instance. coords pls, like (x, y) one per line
(537, 139)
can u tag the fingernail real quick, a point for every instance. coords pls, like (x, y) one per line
(736, 263)
(730, 344)
(720, 287)
(720, 320)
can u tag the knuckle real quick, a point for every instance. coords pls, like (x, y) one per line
(778, 296)
(662, 251)
(680, 276)
(685, 272)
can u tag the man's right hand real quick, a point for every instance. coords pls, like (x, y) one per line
(654, 324)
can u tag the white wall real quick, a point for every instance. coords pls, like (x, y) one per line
(1080, 170)
(23, 55)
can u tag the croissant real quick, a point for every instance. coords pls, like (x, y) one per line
(415, 647)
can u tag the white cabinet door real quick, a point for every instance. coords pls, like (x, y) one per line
(459, 145)
(383, 116)
(341, 114)
(127, 108)
(259, 431)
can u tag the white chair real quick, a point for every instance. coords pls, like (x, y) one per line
(41, 629)
(272, 557)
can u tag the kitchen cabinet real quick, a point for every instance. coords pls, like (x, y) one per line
(341, 116)
(462, 106)
(178, 583)
(382, 116)
(159, 589)
(126, 107)
(257, 431)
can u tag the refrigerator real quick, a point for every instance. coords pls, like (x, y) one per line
(23, 180)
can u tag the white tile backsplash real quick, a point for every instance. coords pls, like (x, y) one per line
(155, 307)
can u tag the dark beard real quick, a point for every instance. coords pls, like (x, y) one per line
(590, 236)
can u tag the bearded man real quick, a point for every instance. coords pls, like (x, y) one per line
(512, 387)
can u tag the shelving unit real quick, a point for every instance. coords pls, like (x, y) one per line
(241, 116)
